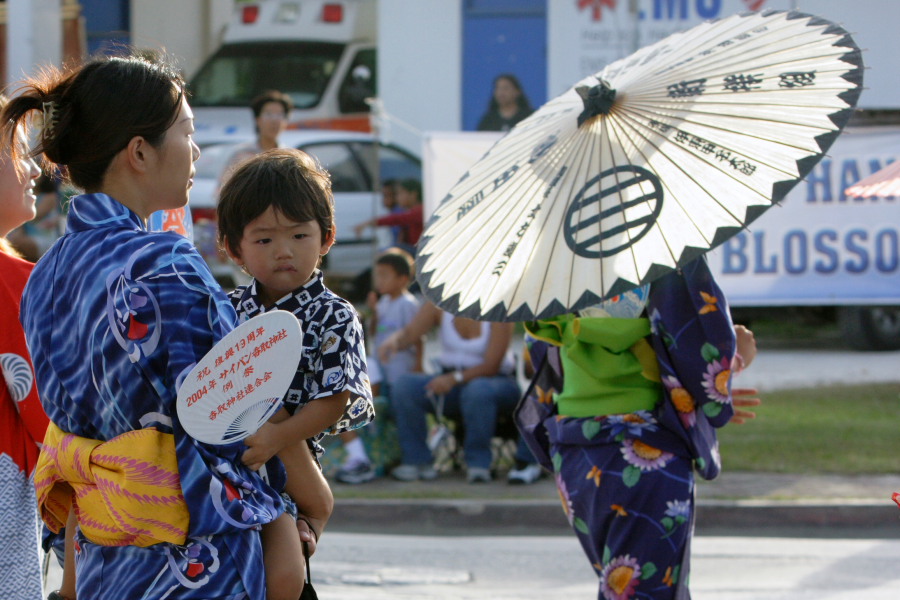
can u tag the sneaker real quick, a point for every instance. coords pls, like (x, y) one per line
(527, 474)
(356, 472)
(478, 475)
(427, 473)
(414, 472)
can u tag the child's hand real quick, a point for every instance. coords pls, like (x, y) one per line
(262, 445)
(372, 300)
(744, 398)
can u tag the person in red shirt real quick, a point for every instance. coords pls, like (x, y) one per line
(22, 419)
(410, 220)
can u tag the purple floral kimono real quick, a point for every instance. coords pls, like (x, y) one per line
(626, 480)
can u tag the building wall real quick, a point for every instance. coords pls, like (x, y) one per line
(190, 31)
(419, 66)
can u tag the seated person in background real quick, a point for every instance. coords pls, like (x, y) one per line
(478, 383)
(392, 311)
(410, 219)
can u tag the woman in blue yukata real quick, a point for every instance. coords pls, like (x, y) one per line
(115, 317)
(623, 408)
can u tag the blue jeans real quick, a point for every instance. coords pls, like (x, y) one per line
(476, 402)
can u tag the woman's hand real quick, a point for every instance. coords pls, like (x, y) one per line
(742, 398)
(309, 532)
(441, 384)
(746, 348)
(262, 445)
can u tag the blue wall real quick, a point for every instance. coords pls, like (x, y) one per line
(107, 23)
(502, 36)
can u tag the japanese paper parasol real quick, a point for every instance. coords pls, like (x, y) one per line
(641, 168)
(240, 383)
(884, 183)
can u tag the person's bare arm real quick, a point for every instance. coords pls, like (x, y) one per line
(498, 344)
(428, 316)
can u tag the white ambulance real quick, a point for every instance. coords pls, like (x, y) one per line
(319, 52)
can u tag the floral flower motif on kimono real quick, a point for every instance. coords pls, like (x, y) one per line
(644, 456)
(710, 303)
(620, 578)
(678, 508)
(564, 498)
(657, 327)
(682, 400)
(595, 473)
(193, 563)
(634, 423)
(715, 380)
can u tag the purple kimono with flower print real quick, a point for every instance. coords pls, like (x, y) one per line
(626, 480)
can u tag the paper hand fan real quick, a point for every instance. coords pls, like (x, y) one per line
(240, 383)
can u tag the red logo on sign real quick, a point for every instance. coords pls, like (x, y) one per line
(754, 4)
(596, 7)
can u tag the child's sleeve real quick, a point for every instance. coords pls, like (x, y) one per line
(342, 367)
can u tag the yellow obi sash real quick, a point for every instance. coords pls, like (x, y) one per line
(126, 491)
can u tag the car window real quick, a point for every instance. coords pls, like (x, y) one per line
(346, 172)
(213, 159)
(237, 73)
(395, 163)
(361, 82)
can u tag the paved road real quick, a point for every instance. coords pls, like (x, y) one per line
(372, 567)
(353, 566)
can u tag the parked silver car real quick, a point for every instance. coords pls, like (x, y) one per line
(357, 166)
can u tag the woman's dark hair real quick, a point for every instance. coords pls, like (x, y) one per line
(256, 105)
(291, 181)
(522, 100)
(92, 111)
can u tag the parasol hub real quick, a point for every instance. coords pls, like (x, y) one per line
(598, 100)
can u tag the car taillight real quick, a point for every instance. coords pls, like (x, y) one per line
(332, 13)
(249, 14)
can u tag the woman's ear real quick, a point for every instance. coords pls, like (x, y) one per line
(136, 154)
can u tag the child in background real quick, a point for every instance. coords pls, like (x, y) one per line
(276, 220)
(410, 219)
(390, 312)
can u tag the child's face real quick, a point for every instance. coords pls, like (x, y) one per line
(405, 198)
(280, 253)
(388, 281)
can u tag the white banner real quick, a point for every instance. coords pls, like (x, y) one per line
(820, 247)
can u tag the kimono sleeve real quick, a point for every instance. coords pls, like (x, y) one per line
(341, 366)
(694, 339)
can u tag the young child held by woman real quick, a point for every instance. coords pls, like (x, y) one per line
(276, 220)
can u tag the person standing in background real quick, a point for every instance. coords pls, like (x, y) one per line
(508, 105)
(270, 115)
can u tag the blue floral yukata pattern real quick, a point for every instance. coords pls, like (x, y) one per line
(115, 317)
(626, 480)
(334, 349)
